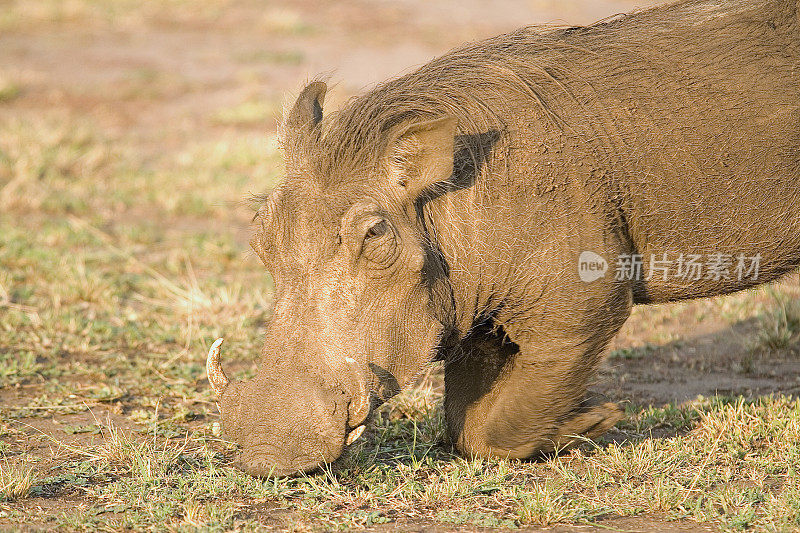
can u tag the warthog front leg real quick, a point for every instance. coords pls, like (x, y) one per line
(513, 399)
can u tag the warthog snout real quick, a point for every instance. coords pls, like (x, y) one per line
(291, 424)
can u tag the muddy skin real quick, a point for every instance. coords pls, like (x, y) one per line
(442, 215)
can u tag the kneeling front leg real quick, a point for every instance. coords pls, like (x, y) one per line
(505, 397)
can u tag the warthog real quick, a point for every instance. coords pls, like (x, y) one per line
(502, 208)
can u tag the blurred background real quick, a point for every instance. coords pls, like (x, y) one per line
(157, 77)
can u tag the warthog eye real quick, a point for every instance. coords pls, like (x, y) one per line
(380, 244)
(376, 230)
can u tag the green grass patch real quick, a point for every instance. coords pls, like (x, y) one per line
(737, 468)
(780, 328)
(249, 113)
(8, 90)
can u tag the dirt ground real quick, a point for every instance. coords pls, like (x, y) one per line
(149, 76)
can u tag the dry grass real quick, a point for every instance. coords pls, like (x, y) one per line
(781, 327)
(15, 482)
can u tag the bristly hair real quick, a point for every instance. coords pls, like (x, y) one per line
(476, 82)
(467, 83)
(473, 83)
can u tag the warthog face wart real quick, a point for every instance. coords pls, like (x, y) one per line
(352, 305)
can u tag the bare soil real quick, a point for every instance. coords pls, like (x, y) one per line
(705, 357)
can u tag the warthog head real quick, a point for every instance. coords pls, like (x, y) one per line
(354, 316)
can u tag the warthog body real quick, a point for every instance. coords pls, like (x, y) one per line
(442, 215)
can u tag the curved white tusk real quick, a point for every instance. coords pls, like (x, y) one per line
(353, 436)
(360, 406)
(216, 376)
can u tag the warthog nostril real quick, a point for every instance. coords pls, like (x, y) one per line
(264, 468)
(266, 460)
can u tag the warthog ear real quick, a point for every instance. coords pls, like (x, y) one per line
(421, 154)
(305, 115)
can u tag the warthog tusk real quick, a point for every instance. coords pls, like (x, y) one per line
(216, 376)
(359, 408)
(353, 436)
